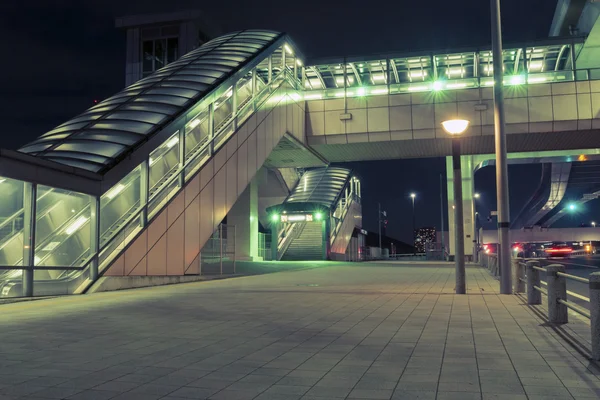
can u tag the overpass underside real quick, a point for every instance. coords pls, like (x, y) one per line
(138, 184)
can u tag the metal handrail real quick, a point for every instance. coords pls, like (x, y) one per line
(284, 243)
(42, 268)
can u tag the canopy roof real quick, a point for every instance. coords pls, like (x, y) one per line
(100, 137)
(320, 186)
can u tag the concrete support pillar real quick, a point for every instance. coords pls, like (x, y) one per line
(468, 192)
(244, 215)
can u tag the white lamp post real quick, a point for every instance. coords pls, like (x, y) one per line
(456, 127)
(412, 196)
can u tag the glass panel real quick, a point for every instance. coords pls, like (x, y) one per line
(290, 59)
(112, 248)
(277, 61)
(197, 134)
(454, 66)
(161, 198)
(164, 163)
(11, 222)
(244, 90)
(11, 235)
(148, 56)
(160, 53)
(62, 229)
(223, 109)
(199, 159)
(222, 136)
(262, 73)
(118, 204)
(172, 49)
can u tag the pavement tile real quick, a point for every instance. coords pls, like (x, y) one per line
(324, 391)
(193, 393)
(413, 395)
(458, 396)
(370, 394)
(547, 391)
(459, 387)
(94, 395)
(288, 390)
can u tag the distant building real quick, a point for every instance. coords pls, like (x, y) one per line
(423, 236)
(154, 40)
(394, 246)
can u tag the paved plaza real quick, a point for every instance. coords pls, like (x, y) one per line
(354, 331)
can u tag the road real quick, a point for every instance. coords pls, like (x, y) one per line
(581, 266)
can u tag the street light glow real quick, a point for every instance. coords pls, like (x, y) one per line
(413, 195)
(572, 207)
(477, 195)
(455, 126)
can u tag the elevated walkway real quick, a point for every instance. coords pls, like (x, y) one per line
(147, 175)
(319, 218)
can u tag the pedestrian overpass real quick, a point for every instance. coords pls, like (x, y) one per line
(137, 184)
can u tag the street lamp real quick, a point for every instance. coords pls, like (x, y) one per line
(504, 256)
(456, 127)
(593, 224)
(412, 196)
(477, 195)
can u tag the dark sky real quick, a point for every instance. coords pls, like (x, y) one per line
(61, 55)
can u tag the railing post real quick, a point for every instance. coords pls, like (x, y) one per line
(533, 279)
(234, 246)
(519, 276)
(95, 237)
(144, 191)
(221, 248)
(557, 290)
(29, 222)
(595, 313)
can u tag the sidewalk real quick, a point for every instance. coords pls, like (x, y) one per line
(356, 331)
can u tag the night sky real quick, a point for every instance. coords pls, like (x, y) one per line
(60, 56)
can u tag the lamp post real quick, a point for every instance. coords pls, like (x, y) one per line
(476, 196)
(593, 224)
(412, 196)
(504, 257)
(456, 127)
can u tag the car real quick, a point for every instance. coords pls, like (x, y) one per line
(558, 249)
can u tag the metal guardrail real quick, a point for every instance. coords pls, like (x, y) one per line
(527, 279)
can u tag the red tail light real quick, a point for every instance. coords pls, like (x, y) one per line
(560, 250)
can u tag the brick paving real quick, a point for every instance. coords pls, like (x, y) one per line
(340, 331)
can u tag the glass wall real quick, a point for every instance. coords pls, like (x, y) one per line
(223, 109)
(11, 222)
(63, 228)
(435, 72)
(197, 137)
(164, 163)
(119, 204)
